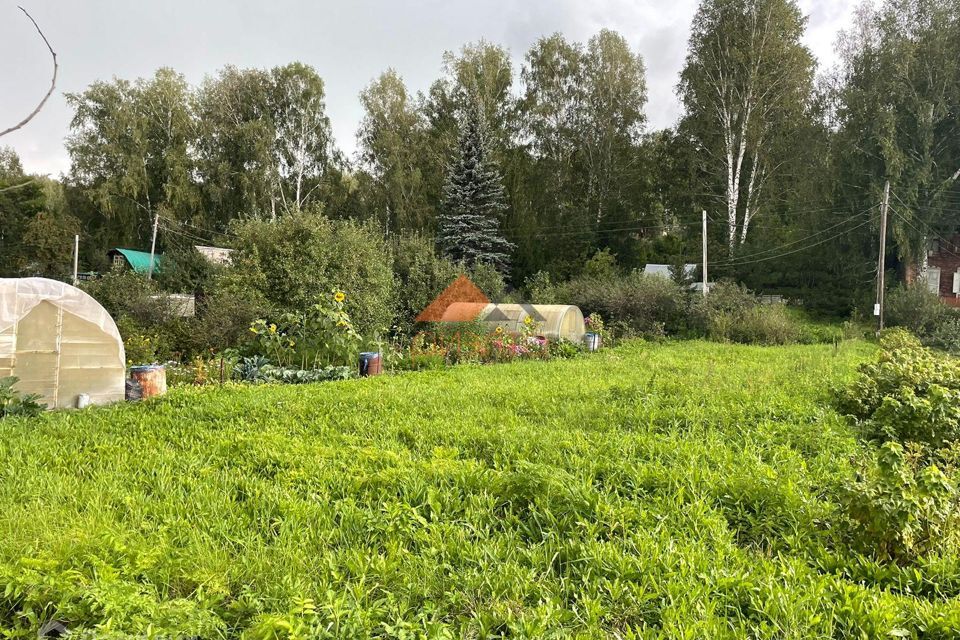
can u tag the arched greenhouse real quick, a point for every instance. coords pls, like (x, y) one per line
(59, 342)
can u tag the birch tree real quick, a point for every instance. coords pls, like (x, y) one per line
(747, 76)
(393, 150)
(303, 143)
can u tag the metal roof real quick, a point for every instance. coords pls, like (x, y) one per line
(139, 261)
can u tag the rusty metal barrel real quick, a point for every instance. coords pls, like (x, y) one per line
(152, 379)
(371, 364)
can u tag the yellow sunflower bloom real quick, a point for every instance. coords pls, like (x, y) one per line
(339, 296)
(499, 330)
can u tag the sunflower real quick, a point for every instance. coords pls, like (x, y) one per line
(339, 296)
(528, 321)
(498, 330)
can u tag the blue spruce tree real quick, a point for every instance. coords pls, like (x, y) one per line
(473, 201)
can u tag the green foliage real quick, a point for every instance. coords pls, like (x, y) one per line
(139, 347)
(123, 292)
(731, 313)
(540, 289)
(14, 403)
(468, 226)
(902, 506)
(321, 335)
(637, 302)
(420, 276)
(917, 309)
(671, 490)
(909, 394)
(946, 336)
(294, 260)
(602, 265)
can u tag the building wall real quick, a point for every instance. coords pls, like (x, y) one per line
(946, 256)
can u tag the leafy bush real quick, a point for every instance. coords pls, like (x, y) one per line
(123, 292)
(730, 313)
(14, 403)
(946, 336)
(139, 347)
(909, 394)
(299, 257)
(637, 302)
(918, 309)
(902, 506)
(764, 324)
(322, 335)
(539, 289)
(565, 349)
(420, 275)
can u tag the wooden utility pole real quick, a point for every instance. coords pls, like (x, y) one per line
(883, 255)
(76, 257)
(704, 252)
(153, 245)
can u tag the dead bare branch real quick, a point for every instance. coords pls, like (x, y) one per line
(14, 187)
(53, 80)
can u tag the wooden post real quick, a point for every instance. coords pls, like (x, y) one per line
(76, 257)
(883, 255)
(704, 252)
(153, 245)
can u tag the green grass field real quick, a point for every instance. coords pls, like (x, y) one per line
(675, 490)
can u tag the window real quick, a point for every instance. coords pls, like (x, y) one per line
(933, 279)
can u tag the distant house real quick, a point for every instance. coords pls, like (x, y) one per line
(139, 261)
(943, 270)
(689, 270)
(216, 255)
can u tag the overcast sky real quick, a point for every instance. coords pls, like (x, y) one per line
(349, 42)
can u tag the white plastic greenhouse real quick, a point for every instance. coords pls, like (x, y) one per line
(552, 321)
(59, 342)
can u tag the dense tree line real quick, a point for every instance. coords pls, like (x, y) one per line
(789, 163)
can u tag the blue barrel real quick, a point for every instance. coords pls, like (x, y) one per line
(592, 341)
(371, 364)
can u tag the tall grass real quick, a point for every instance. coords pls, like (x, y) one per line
(672, 490)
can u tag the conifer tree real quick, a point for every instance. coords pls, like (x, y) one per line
(473, 201)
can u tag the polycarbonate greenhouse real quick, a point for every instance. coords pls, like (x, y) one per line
(552, 321)
(59, 342)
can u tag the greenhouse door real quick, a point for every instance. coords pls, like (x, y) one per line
(37, 356)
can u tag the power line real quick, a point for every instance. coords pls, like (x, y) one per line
(740, 259)
(787, 253)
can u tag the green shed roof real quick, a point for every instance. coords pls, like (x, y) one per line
(140, 260)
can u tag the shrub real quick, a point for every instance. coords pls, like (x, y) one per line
(637, 302)
(14, 403)
(903, 506)
(910, 394)
(321, 335)
(123, 292)
(420, 276)
(946, 336)
(730, 313)
(714, 315)
(763, 325)
(139, 346)
(539, 289)
(603, 265)
(918, 309)
(295, 259)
